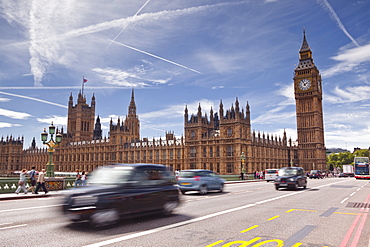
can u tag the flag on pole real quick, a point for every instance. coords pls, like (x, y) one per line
(85, 80)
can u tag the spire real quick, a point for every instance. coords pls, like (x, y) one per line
(132, 106)
(305, 55)
(305, 46)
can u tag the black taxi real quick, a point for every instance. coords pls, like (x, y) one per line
(291, 177)
(122, 190)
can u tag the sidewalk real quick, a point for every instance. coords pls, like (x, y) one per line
(29, 195)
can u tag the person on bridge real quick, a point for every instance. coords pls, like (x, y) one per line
(33, 179)
(22, 182)
(41, 182)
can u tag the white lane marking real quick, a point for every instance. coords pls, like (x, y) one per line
(139, 234)
(33, 208)
(9, 227)
(352, 194)
(119, 239)
(345, 199)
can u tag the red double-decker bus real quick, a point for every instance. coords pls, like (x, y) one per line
(361, 165)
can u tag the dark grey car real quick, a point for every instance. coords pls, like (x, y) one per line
(199, 180)
(291, 177)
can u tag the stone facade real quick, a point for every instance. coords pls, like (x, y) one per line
(223, 142)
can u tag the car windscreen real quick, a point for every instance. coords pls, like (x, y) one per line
(110, 175)
(288, 172)
(271, 171)
(314, 171)
(190, 174)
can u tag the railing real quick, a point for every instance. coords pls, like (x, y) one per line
(9, 185)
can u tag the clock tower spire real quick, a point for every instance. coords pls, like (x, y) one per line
(308, 97)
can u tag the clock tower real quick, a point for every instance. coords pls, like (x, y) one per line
(308, 97)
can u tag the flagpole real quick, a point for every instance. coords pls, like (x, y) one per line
(83, 82)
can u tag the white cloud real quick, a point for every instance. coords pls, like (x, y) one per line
(130, 78)
(8, 125)
(349, 94)
(348, 60)
(4, 99)
(14, 114)
(56, 120)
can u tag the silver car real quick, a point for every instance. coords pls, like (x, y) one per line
(199, 180)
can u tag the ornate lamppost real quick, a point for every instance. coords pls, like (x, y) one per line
(51, 147)
(242, 157)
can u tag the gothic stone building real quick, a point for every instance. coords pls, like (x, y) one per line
(217, 142)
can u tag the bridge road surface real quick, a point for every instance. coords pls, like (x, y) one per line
(245, 214)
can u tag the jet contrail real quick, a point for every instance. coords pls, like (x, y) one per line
(339, 22)
(147, 53)
(127, 24)
(39, 100)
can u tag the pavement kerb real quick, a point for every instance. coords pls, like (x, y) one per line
(29, 195)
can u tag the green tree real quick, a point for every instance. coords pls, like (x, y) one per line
(340, 159)
(362, 153)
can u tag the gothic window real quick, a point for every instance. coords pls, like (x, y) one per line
(164, 155)
(157, 155)
(144, 155)
(193, 152)
(193, 166)
(211, 166)
(229, 150)
(205, 166)
(192, 134)
(229, 132)
(230, 167)
(171, 154)
(151, 155)
(178, 154)
(204, 152)
(211, 152)
(217, 151)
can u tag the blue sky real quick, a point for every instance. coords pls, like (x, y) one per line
(179, 52)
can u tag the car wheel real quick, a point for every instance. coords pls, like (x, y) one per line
(106, 217)
(304, 186)
(221, 188)
(295, 186)
(276, 187)
(203, 190)
(168, 207)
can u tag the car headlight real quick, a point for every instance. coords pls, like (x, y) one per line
(290, 179)
(84, 200)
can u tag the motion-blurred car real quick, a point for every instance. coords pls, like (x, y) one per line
(342, 175)
(122, 190)
(291, 177)
(199, 180)
(315, 174)
(271, 174)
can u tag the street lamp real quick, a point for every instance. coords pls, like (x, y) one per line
(51, 147)
(242, 157)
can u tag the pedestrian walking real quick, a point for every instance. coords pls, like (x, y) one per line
(41, 182)
(33, 179)
(22, 182)
(83, 178)
(78, 179)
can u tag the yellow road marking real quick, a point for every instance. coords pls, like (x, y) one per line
(250, 228)
(242, 242)
(215, 243)
(291, 210)
(347, 213)
(272, 218)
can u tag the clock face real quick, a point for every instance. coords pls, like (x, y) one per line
(305, 84)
